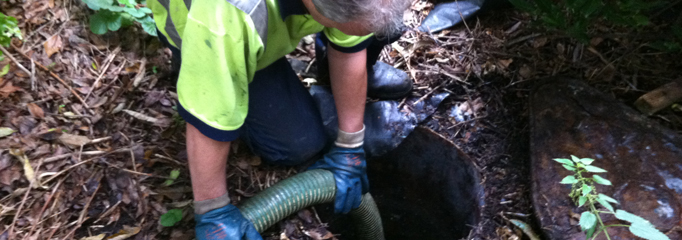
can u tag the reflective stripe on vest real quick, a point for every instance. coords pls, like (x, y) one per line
(256, 9)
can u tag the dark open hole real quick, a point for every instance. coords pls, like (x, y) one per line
(425, 189)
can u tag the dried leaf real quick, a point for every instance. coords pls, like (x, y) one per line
(504, 63)
(28, 170)
(5, 131)
(53, 45)
(146, 118)
(73, 140)
(125, 233)
(97, 237)
(35, 110)
(8, 89)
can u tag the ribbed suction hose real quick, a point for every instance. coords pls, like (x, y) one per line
(303, 190)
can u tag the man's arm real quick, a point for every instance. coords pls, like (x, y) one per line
(348, 75)
(207, 162)
(346, 159)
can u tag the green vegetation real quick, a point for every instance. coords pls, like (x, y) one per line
(584, 193)
(9, 29)
(171, 217)
(576, 17)
(110, 16)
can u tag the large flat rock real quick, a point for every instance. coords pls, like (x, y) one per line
(643, 159)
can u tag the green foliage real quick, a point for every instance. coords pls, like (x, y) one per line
(8, 30)
(110, 16)
(173, 175)
(171, 217)
(584, 193)
(574, 17)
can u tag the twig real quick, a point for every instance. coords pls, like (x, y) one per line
(107, 63)
(55, 76)
(462, 16)
(14, 60)
(21, 206)
(87, 205)
(33, 75)
(426, 95)
(521, 39)
(47, 202)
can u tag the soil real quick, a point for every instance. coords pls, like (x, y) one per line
(103, 165)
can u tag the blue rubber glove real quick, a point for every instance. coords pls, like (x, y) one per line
(350, 172)
(225, 223)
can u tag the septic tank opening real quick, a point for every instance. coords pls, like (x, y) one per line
(425, 189)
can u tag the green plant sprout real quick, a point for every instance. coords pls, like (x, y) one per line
(584, 193)
(111, 17)
(8, 30)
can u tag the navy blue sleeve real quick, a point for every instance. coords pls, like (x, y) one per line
(359, 47)
(210, 132)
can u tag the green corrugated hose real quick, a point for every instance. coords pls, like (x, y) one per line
(304, 190)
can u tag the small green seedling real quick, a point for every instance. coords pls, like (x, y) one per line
(174, 174)
(171, 217)
(110, 16)
(8, 30)
(584, 193)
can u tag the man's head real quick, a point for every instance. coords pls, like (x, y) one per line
(359, 17)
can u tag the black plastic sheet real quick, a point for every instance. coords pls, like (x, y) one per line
(386, 125)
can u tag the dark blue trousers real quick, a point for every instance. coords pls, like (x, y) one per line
(283, 124)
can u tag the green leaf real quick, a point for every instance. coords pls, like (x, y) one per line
(173, 175)
(647, 231)
(601, 180)
(581, 201)
(128, 3)
(640, 20)
(594, 169)
(575, 159)
(98, 4)
(564, 161)
(569, 180)
(586, 190)
(98, 23)
(606, 204)
(127, 20)
(5, 70)
(137, 13)
(586, 161)
(590, 8)
(114, 22)
(148, 25)
(587, 221)
(626, 216)
(607, 198)
(570, 168)
(171, 217)
(5, 131)
(590, 232)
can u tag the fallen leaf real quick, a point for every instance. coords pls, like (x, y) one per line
(8, 89)
(97, 237)
(35, 110)
(140, 116)
(504, 63)
(125, 233)
(53, 45)
(29, 173)
(5, 131)
(73, 140)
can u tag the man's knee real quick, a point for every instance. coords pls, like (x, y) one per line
(296, 150)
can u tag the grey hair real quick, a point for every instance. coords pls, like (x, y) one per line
(383, 17)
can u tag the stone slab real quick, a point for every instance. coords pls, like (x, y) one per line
(643, 158)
